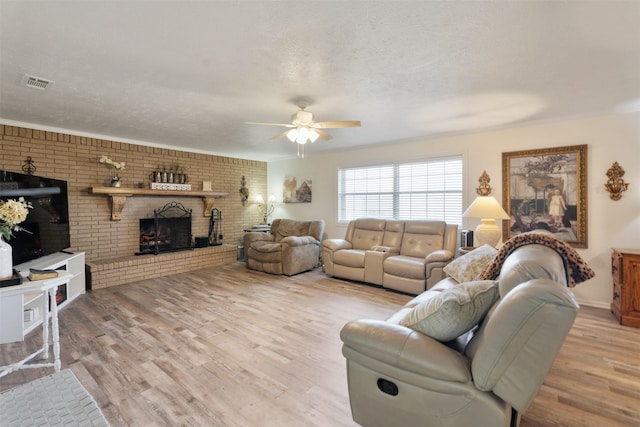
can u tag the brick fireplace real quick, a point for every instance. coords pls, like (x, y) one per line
(109, 245)
(127, 269)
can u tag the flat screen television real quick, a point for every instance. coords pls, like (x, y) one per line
(47, 224)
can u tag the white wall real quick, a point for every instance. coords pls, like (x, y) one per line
(609, 139)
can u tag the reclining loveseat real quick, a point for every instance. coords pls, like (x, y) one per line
(466, 354)
(407, 256)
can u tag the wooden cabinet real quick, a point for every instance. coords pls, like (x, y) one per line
(21, 306)
(625, 269)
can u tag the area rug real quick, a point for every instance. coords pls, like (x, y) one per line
(55, 400)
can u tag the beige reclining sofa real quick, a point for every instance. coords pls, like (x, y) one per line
(421, 367)
(289, 248)
(406, 256)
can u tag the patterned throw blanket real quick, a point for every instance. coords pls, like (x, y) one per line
(577, 270)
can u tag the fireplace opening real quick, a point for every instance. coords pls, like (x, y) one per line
(168, 231)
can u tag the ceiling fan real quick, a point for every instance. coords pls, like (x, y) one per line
(303, 129)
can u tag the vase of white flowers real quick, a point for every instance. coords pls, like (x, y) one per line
(12, 213)
(117, 166)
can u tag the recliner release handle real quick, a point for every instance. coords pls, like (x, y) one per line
(387, 387)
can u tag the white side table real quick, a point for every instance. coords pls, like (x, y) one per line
(11, 306)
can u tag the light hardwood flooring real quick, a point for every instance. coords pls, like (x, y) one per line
(226, 346)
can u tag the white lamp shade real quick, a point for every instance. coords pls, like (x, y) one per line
(259, 199)
(487, 209)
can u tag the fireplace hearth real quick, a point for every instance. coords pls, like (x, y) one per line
(168, 231)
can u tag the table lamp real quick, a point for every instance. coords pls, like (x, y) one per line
(266, 208)
(487, 209)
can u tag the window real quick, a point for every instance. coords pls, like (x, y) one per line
(429, 189)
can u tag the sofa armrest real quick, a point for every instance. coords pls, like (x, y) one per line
(336, 244)
(440, 255)
(374, 264)
(299, 240)
(406, 349)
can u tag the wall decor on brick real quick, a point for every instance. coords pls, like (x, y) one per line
(105, 242)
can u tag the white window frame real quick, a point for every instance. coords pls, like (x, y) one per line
(435, 193)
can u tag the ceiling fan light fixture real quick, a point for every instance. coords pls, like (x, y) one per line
(313, 135)
(302, 117)
(303, 129)
(302, 135)
(292, 135)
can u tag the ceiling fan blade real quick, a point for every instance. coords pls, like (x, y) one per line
(289, 125)
(341, 124)
(280, 135)
(323, 134)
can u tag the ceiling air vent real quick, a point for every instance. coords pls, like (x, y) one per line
(36, 82)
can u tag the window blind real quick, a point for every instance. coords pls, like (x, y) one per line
(428, 189)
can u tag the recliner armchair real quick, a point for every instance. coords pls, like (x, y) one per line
(486, 377)
(290, 247)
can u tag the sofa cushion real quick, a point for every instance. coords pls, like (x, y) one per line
(393, 232)
(469, 266)
(452, 312)
(420, 245)
(422, 237)
(282, 228)
(353, 258)
(405, 266)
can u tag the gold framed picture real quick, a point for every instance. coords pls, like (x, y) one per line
(546, 189)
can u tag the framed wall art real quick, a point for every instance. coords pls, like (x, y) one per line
(296, 190)
(546, 189)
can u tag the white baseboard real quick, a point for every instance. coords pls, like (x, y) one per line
(596, 304)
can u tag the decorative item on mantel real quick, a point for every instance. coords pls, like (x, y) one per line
(171, 178)
(12, 213)
(615, 184)
(115, 179)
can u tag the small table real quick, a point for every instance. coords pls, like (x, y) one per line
(48, 288)
(465, 250)
(259, 228)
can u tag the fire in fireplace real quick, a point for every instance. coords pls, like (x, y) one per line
(168, 231)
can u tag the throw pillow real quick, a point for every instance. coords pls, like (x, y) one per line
(470, 265)
(454, 311)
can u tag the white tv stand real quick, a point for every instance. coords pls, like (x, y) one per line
(21, 312)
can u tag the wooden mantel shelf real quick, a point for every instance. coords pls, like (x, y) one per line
(119, 196)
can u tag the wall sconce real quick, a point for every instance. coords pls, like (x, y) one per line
(484, 189)
(244, 191)
(265, 208)
(615, 184)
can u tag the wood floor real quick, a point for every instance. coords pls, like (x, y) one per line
(229, 347)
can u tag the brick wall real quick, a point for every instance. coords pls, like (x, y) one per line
(75, 160)
(118, 271)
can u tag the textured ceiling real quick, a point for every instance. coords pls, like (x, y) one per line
(189, 74)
